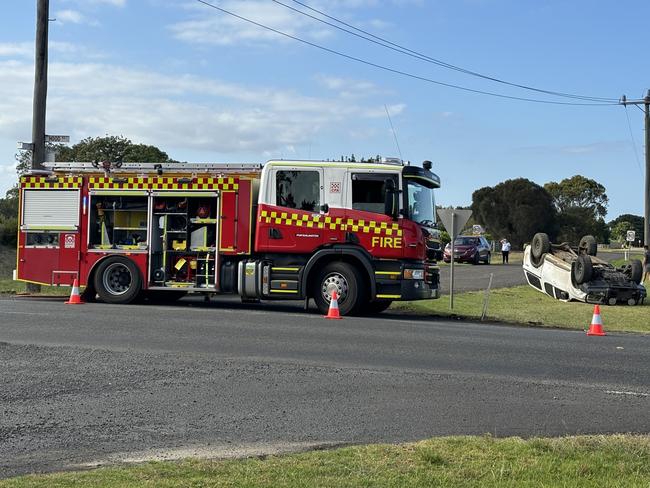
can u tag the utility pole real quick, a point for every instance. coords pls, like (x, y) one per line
(40, 94)
(646, 111)
(40, 83)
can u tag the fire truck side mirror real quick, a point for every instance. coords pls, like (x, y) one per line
(391, 204)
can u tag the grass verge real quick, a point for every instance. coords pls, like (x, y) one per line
(524, 305)
(612, 461)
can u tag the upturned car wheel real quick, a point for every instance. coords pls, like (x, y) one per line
(636, 271)
(588, 245)
(541, 245)
(582, 269)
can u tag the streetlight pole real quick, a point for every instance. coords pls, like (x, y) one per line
(646, 111)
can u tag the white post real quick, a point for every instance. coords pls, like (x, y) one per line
(451, 272)
(486, 298)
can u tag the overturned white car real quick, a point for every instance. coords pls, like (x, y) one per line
(575, 273)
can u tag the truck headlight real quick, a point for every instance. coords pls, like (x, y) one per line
(413, 274)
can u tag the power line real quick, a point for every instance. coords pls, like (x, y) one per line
(636, 154)
(396, 71)
(418, 55)
(399, 150)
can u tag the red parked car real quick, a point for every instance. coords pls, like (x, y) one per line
(469, 249)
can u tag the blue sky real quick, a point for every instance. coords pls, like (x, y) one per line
(204, 86)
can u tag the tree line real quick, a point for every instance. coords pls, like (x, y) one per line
(567, 210)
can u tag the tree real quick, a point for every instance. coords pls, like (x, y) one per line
(581, 204)
(581, 192)
(516, 209)
(619, 230)
(111, 148)
(635, 223)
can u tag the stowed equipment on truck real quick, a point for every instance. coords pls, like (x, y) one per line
(284, 230)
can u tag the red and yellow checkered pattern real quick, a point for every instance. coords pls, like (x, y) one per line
(315, 221)
(51, 182)
(163, 183)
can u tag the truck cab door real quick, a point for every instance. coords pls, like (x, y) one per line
(290, 217)
(367, 224)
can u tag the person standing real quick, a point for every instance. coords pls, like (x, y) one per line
(646, 264)
(505, 250)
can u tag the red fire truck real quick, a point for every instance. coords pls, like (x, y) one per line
(282, 230)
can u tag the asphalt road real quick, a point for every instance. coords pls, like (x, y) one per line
(100, 383)
(469, 277)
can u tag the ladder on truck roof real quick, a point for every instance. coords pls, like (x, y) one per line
(87, 167)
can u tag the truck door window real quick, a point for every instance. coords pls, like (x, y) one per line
(298, 189)
(369, 191)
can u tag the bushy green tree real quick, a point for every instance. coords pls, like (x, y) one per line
(515, 209)
(635, 223)
(581, 205)
(112, 148)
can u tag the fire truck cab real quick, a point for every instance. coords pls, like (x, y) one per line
(282, 230)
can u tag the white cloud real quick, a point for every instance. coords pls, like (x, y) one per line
(13, 49)
(218, 28)
(73, 17)
(89, 99)
(349, 88)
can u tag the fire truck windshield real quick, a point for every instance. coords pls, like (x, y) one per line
(421, 203)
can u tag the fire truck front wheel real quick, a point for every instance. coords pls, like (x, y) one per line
(348, 283)
(117, 280)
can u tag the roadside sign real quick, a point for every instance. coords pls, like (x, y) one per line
(57, 138)
(454, 220)
(631, 236)
(25, 146)
(477, 230)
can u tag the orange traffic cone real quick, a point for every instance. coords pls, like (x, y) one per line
(333, 312)
(75, 297)
(596, 327)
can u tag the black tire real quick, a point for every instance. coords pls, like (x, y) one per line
(588, 245)
(117, 280)
(541, 245)
(636, 271)
(163, 296)
(582, 269)
(373, 308)
(89, 295)
(350, 285)
(477, 258)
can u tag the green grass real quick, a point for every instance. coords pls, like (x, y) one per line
(587, 461)
(524, 305)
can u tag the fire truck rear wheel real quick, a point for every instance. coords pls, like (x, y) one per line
(348, 283)
(117, 280)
